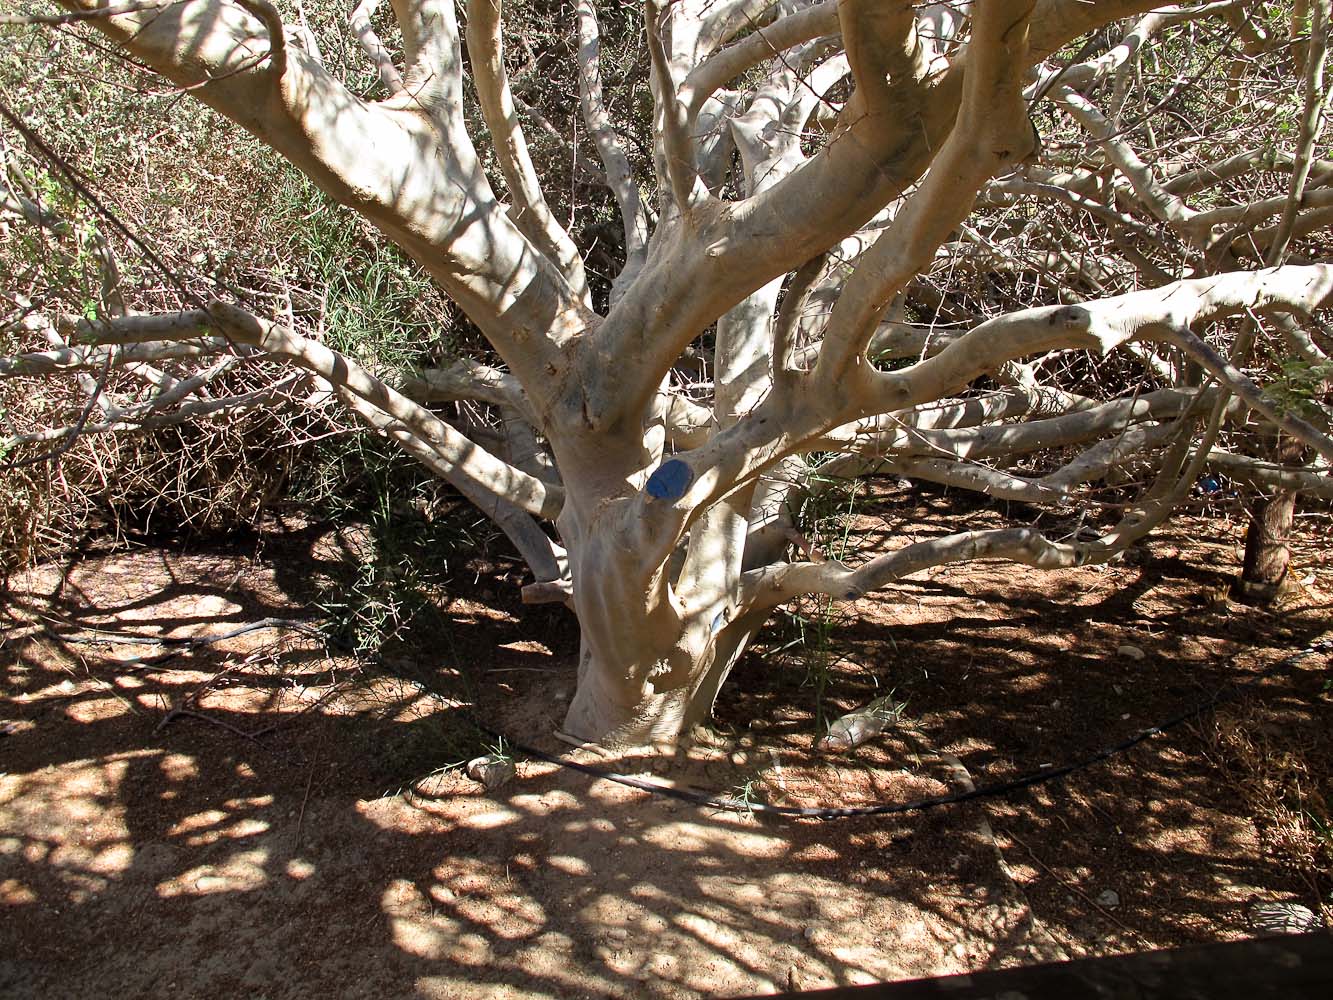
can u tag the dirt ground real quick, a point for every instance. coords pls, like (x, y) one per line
(269, 817)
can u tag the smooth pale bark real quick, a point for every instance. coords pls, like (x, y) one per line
(672, 503)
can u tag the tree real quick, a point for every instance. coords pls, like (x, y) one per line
(852, 251)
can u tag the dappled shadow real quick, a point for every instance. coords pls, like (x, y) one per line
(269, 838)
(1016, 671)
(300, 833)
(293, 864)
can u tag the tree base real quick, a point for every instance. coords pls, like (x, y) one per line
(1259, 593)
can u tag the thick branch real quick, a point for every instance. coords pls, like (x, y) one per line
(458, 455)
(772, 586)
(992, 131)
(419, 430)
(407, 163)
(869, 161)
(673, 120)
(772, 431)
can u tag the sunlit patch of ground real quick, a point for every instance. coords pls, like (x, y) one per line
(262, 816)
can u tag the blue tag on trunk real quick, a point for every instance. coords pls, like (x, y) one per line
(670, 481)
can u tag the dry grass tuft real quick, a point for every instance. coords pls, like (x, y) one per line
(1280, 770)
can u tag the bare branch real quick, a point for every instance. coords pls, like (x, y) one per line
(609, 147)
(468, 378)
(111, 10)
(75, 359)
(993, 131)
(1263, 158)
(677, 147)
(530, 212)
(374, 49)
(722, 20)
(457, 456)
(1316, 100)
(406, 163)
(772, 586)
(277, 34)
(1161, 202)
(1270, 475)
(154, 413)
(1245, 216)
(416, 428)
(764, 43)
(1244, 387)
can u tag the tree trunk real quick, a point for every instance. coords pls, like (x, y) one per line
(1267, 556)
(657, 642)
(652, 695)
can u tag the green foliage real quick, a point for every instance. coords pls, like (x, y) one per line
(1302, 388)
(191, 185)
(365, 296)
(809, 624)
(404, 536)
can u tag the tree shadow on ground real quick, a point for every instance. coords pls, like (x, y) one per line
(335, 852)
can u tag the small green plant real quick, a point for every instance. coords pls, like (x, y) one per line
(500, 749)
(826, 520)
(744, 797)
(368, 299)
(1302, 388)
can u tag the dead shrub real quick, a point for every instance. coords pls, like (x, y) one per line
(1280, 771)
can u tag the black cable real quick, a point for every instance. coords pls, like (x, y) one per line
(918, 805)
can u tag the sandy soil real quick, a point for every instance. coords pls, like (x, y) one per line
(267, 817)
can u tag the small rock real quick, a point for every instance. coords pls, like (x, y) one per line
(617, 933)
(491, 770)
(1108, 898)
(809, 933)
(739, 758)
(1284, 918)
(1130, 652)
(1056, 703)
